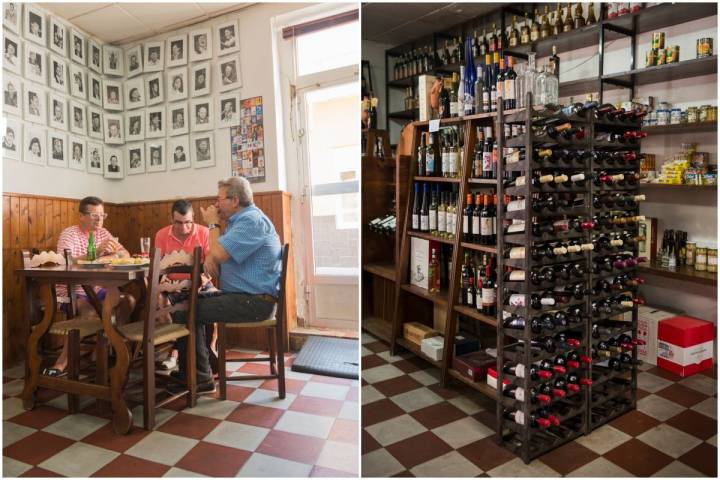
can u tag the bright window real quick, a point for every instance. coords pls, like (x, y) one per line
(328, 49)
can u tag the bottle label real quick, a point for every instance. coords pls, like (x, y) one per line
(430, 163)
(487, 162)
(476, 225)
(478, 297)
(470, 299)
(486, 226)
(500, 89)
(442, 220)
(488, 296)
(433, 220)
(493, 99)
(445, 162)
(517, 300)
(493, 220)
(460, 107)
(451, 221)
(517, 276)
(477, 166)
(453, 109)
(486, 100)
(415, 221)
(453, 163)
(509, 89)
(520, 370)
(424, 223)
(520, 394)
(465, 224)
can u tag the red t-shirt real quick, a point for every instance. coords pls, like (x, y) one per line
(167, 242)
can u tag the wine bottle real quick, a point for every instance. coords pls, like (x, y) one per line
(416, 209)
(425, 211)
(468, 230)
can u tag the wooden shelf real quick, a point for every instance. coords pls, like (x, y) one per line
(438, 298)
(403, 115)
(665, 73)
(474, 314)
(681, 187)
(414, 348)
(664, 15)
(481, 387)
(377, 327)
(687, 274)
(681, 128)
(427, 236)
(479, 248)
(489, 182)
(436, 179)
(384, 270)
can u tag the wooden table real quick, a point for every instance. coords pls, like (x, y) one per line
(44, 278)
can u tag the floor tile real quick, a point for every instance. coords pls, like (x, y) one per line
(325, 390)
(634, 423)
(366, 338)
(712, 440)
(316, 406)
(214, 460)
(12, 407)
(568, 457)
(60, 402)
(237, 393)
(162, 415)
(180, 473)
(600, 467)
(447, 393)
(379, 411)
(106, 437)
(452, 464)
(269, 398)
(669, 440)
(383, 372)
(365, 351)
(377, 346)
(371, 361)
(678, 469)
(350, 411)
(462, 432)
(39, 417)
(37, 472)
(344, 431)
(37, 447)
(408, 366)
(76, 426)
(701, 383)
(652, 383)
(658, 407)
(213, 408)
(392, 358)
(305, 424)
(466, 405)
(345, 382)
(14, 468)
(416, 399)
(189, 426)
(638, 458)
(13, 388)
(666, 374)
(291, 446)
(128, 466)
(687, 397)
(395, 429)
(79, 460)
(379, 463)
(18, 371)
(395, 386)
(427, 377)
(694, 423)
(603, 439)
(702, 458)
(237, 435)
(418, 449)
(367, 442)
(517, 468)
(707, 407)
(298, 375)
(12, 432)
(256, 415)
(291, 386)
(318, 471)
(162, 448)
(486, 453)
(259, 465)
(437, 415)
(339, 456)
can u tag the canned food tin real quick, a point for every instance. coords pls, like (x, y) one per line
(701, 259)
(712, 114)
(704, 47)
(663, 117)
(675, 116)
(658, 40)
(660, 57)
(664, 106)
(712, 260)
(692, 114)
(690, 253)
(703, 113)
(650, 58)
(672, 54)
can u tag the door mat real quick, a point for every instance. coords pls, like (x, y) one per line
(334, 357)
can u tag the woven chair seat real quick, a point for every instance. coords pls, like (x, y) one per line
(270, 322)
(166, 332)
(86, 325)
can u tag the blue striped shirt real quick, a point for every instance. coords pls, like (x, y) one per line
(254, 248)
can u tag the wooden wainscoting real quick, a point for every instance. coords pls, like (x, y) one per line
(32, 221)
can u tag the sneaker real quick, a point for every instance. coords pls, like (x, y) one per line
(54, 372)
(202, 388)
(169, 363)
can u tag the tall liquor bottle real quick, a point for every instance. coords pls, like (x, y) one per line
(509, 101)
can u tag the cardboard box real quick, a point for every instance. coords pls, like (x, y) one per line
(433, 347)
(492, 378)
(415, 332)
(466, 344)
(648, 319)
(685, 345)
(473, 365)
(420, 250)
(425, 83)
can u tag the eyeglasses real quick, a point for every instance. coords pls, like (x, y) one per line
(96, 216)
(178, 222)
(220, 199)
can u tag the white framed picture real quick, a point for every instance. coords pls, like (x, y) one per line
(58, 36)
(113, 61)
(35, 64)
(78, 81)
(112, 95)
(154, 56)
(177, 84)
(154, 89)
(229, 73)
(35, 107)
(95, 90)
(155, 154)
(155, 122)
(12, 56)
(135, 154)
(227, 38)
(114, 165)
(135, 125)
(202, 149)
(78, 151)
(200, 45)
(94, 56)
(228, 112)
(114, 129)
(35, 25)
(178, 149)
(200, 79)
(178, 118)
(95, 157)
(78, 121)
(77, 47)
(35, 145)
(95, 122)
(177, 51)
(12, 95)
(57, 149)
(58, 74)
(12, 138)
(11, 16)
(133, 60)
(134, 93)
(58, 111)
(202, 114)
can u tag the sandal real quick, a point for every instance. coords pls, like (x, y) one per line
(169, 363)
(53, 372)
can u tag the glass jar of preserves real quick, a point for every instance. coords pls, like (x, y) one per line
(690, 254)
(703, 113)
(701, 259)
(712, 260)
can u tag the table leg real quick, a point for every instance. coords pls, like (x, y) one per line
(122, 418)
(32, 357)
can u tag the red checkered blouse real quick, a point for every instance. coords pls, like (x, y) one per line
(75, 240)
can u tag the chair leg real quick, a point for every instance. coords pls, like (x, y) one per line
(73, 367)
(149, 385)
(280, 344)
(222, 360)
(101, 368)
(271, 349)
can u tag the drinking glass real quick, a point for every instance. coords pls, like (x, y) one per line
(145, 246)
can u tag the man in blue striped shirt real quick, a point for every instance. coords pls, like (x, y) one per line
(247, 258)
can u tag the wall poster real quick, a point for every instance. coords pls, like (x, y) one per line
(247, 142)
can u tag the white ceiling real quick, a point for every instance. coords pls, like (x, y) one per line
(120, 23)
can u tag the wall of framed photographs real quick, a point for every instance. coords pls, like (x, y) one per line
(160, 109)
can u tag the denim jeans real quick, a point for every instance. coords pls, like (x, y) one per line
(219, 307)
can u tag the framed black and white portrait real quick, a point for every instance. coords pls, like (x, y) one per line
(95, 94)
(202, 114)
(35, 25)
(78, 121)
(177, 51)
(177, 86)
(57, 149)
(35, 146)
(12, 56)
(178, 150)
(154, 89)
(35, 107)
(95, 122)
(94, 56)
(114, 129)
(35, 64)
(114, 167)
(11, 138)
(200, 79)
(155, 122)
(12, 95)
(112, 95)
(78, 152)
(58, 36)
(11, 16)
(200, 45)
(202, 150)
(133, 60)
(229, 72)
(154, 56)
(77, 47)
(134, 93)
(228, 112)
(58, 111)
(155, 155)
(58, 74)
(78, 81)
(135, 125)
(135, 155)
(95, 157)
(113, 61)
(227, 38)
(178, 118)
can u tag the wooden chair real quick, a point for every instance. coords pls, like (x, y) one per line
(149, 334)
(276, 341)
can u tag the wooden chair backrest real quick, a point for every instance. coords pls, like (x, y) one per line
(35, 259)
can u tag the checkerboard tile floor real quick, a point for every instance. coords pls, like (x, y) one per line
(312, 432)
(411, 426)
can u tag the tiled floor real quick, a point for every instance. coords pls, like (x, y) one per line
(414, 427)
(313, 432)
